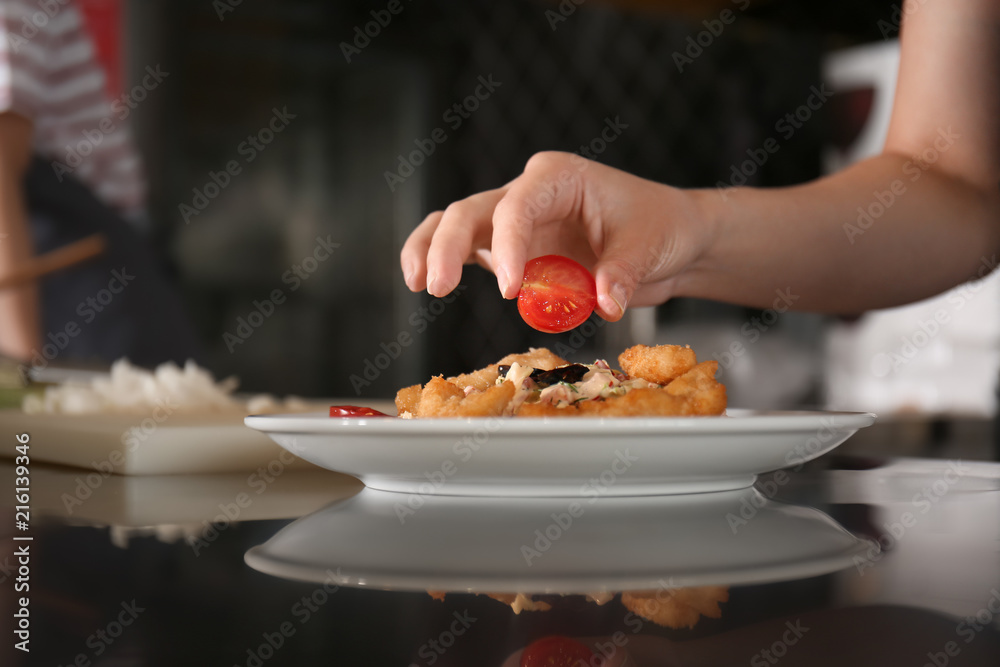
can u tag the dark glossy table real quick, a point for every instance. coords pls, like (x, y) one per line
(151, 571)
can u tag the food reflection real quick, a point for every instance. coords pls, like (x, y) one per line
(876, 636)
(669, 607)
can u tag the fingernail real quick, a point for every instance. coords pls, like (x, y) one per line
(432, 283)
(503, 280)
(616, 295)
(408, 272)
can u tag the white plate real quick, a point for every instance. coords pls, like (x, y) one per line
(557, 545)
(541, 457)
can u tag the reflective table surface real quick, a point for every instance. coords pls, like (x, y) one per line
(849, 561)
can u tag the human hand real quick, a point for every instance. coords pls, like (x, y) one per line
(637, 237)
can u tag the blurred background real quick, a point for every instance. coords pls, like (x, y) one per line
(294, 145)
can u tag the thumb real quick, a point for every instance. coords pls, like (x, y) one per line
(619, 272)
(616, 283)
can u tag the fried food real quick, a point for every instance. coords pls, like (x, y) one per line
(659, 381)
(441, 398)
(660, 364)
(636, 403)
(702, 393)
(518, 602)
(677, 607)
(483, 379)
(407, 399)
(670, 607)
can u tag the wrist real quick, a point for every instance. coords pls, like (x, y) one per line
(704, 221)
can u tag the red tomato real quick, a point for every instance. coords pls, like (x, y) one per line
(558, 651)
(557, 294)
(354, 411)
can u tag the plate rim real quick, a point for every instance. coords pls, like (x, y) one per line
(735, 420)
(257, 558)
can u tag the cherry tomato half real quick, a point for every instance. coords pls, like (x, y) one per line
(354, 411)
(557, 294)
(558, 651)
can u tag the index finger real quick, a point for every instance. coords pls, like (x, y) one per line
(549, 190)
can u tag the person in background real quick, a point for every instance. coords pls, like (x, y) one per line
(646, 242)
(69, 169)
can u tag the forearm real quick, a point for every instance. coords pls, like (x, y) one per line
(20, 326)
(921, 217)
(881, 233)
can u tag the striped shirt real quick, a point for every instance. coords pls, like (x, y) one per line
(49, 73)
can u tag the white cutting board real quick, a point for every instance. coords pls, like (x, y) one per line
(180, 444)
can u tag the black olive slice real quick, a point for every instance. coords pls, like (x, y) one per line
(571, 374)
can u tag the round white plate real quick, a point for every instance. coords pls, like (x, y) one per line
(540, 457)
(557, 545)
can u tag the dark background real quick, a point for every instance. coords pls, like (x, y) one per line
(324, 174)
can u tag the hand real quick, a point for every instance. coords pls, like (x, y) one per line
(635, 236)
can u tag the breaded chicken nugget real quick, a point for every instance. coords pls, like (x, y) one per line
(441, 398)
(438, 396)
(704, 394)
(643, 402)
(678, 607)
(485, 378)
(407, 399)
(659, 364)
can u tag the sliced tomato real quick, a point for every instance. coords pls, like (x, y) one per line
(558, 651)
(354, 411)
(557, 294)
